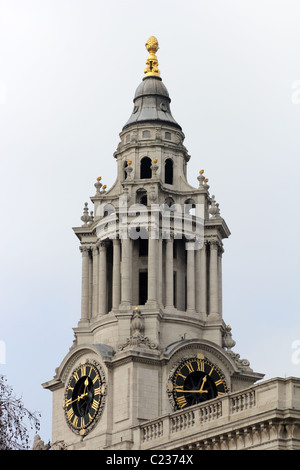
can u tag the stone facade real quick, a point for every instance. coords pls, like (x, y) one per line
(151, 303)
(261, 417)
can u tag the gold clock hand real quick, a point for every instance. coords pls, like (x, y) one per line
(203, 382)
(86, 382)
(67, 402)
(191, 391)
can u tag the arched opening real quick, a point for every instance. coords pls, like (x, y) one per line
(108, 209)
(146, 171)
(143, 287)
(190, 207)
(141, 197)
(143, 200)
(169, 171)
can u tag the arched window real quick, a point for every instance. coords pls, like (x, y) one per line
(141, 197)
(146, 171)
(169, 171)
(190, 207)
(107, 209)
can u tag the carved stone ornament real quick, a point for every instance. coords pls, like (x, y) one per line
(214, 208)
(38, 444)
(154, 167)
(229, 343)
(98, 186)
(137, 338)
(242, 363)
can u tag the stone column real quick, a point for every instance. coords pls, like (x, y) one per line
(126, 272)
(85, 283)
(102, 279)
(159, 272)
(220, 252)
(95, 282)
(197, 280)
(190, 276)
(203, 282)
(213, 280)
(169, 272)
(152, 271)
(116, 275)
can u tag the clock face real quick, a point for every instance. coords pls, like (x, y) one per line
(84, 396)
(196, 380)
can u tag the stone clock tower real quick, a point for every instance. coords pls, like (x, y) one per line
(151, 342)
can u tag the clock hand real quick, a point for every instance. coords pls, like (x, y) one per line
(86, 382)
(203, 382)
(67, 403)
(191, 391)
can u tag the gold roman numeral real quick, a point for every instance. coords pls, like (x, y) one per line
(200, 365)
(181, 402)
(190, 366)
(76, 376)
(95, 405)
(70, 413)
(67, 403)
(183, 376)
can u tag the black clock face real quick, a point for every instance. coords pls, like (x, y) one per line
(83, 396)
(196, 380)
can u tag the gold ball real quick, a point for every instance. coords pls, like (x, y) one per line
(201, 172)
(104, 186)
(206, 180)
(99, 178)
(129, 162)
(155, 160)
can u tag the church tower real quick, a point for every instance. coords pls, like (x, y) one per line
(151, 339)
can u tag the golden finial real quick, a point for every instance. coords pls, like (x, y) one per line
(152, 63)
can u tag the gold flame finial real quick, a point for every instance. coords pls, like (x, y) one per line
(152, 64)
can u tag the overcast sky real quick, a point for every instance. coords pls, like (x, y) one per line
(68, 74)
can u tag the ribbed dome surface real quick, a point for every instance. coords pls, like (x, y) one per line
(151, 103)
(151, 86)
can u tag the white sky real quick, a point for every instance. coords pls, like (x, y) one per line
(68, 73)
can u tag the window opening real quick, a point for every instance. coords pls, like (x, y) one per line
(146, 171)
(143, 287)
(169, 171)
